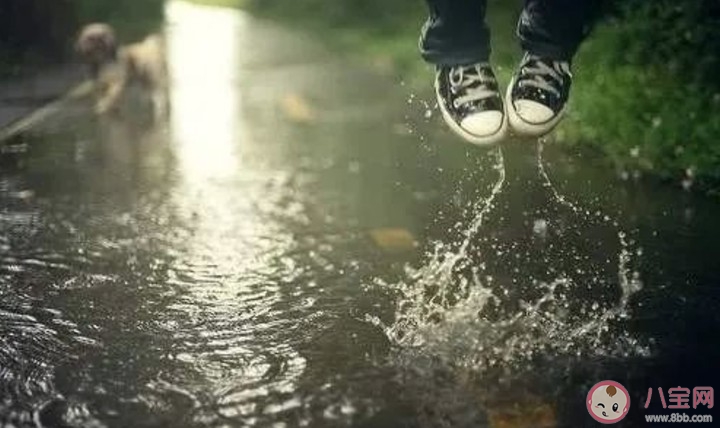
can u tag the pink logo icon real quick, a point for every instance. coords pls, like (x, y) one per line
(608, 402)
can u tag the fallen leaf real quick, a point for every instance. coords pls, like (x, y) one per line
(384, 64)
(297, 109)
(23, 194)
(393, 239)
(523, 415)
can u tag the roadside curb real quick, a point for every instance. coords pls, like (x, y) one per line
(23, 123)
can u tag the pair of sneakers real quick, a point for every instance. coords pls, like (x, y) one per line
(473, 107)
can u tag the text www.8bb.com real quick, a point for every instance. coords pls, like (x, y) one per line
(679, 417)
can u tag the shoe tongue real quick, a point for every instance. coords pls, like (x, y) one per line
(475, 69)
(536, 58)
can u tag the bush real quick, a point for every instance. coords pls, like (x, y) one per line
(34, 27)
(681, 36)
(646, 91)
(41, 31)
(132, 19)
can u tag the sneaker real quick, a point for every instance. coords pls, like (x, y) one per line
(537, 95)
(470, 102)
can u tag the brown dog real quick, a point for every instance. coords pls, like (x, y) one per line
(114, 68)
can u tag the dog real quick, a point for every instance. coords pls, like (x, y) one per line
(115, 68)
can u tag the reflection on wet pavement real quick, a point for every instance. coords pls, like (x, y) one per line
(279, 254)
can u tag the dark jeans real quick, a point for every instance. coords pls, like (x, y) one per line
(456, 33)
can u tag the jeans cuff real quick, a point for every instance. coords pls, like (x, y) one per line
(548, 50)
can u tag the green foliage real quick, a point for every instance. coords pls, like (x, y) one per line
(34, 32)
(131, 18)
(646, 93)
(33, 28)
(682, 36)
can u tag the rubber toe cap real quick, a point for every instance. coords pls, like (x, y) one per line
(483, 124)
(533, 112)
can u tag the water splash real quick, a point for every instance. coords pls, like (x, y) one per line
(453, 312)
(628, 279)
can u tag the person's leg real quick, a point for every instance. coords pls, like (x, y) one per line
(550, 32)
(456, 40)
(555, 28)
(455, 33)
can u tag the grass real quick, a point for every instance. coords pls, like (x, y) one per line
(643, 116)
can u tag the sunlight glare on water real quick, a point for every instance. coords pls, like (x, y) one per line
(226, 262)
(205, 98)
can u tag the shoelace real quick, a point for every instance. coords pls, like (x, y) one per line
(536, 72)
(473, 81)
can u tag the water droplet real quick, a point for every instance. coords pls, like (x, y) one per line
(540, 227)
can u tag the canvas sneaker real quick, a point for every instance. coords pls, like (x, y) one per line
(537, 95)
(470, 102)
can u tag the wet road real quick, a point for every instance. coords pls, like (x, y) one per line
(304, 245)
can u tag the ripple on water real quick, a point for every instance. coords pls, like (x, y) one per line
(33, 341)
(230, 328)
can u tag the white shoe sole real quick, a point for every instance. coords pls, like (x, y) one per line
(486, 140)
(527, 129)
